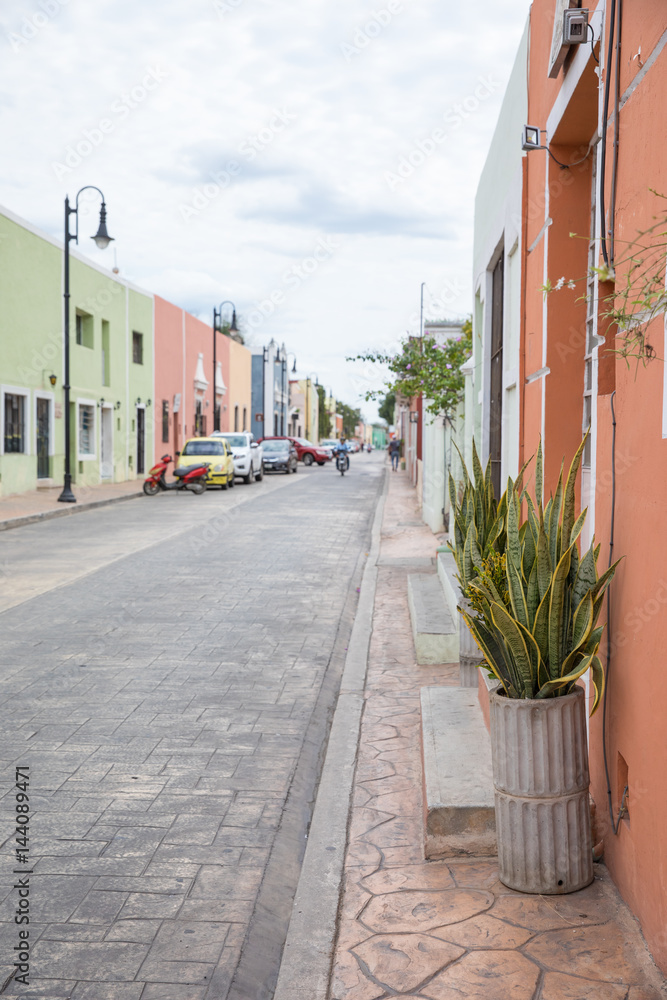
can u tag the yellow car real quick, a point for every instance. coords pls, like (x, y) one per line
(217, 452)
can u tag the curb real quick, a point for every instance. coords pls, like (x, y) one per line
(72, 508)
(305, 968)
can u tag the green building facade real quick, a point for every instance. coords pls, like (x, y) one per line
(111, 367)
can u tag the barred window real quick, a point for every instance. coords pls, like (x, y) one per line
(15, 436)
(86, 430)
(165, 421)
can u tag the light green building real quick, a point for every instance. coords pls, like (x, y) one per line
(111, 367)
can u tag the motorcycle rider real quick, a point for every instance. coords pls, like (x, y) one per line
(343, 448)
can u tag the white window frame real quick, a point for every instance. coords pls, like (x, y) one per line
(16, 390)
(85, 456)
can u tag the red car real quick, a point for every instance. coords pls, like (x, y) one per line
(307, 452)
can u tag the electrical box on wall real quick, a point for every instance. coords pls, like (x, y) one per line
(575, 27)
(559, 48)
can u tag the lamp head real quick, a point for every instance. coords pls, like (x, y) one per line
(101, 237)
(53, 379)
(233, 327)
(530, 137)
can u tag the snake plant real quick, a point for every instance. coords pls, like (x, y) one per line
(535, 608)
(479, 519)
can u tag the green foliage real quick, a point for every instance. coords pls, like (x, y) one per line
(386, 408)
(425, 367)
(538, 631)
(479, 521)
(324, 421)
(639, 294)
(351, 417)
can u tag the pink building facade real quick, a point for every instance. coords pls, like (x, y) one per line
(184, 379)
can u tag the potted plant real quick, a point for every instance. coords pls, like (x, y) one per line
(478, 528)
(534, 614)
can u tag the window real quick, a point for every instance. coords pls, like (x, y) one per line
(86, 431)
(84, 329)
(165, 421)
(236, 418)
(137, 348)
(15, 430)
(245, 419)
(496, 387)
(106, 378)
(200, 421)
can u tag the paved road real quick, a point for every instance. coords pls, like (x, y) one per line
(169, 666)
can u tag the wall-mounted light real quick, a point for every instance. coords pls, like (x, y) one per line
(53, 379)
(118, 405)
(414, 416)
(530, 139)
(101, 402)
(138, 402)
(149, 402)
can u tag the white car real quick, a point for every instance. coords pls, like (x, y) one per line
(247, 454)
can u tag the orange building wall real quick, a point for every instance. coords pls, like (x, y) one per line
(637, 693)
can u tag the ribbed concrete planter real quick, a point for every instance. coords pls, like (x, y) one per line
(469, 654)
(540, 775)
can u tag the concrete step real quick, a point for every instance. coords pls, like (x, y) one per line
(435, 632)
(446, 567)
(459, 813)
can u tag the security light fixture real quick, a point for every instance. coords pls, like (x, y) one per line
(138, 402)
(148, 402)
(530, 138)
(414, 416)
(118, 405)
(53, 379)
(575, 26)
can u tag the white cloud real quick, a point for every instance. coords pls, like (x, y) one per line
(221, 72)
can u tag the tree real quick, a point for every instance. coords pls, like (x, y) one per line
(425, 367)
(351, 418)
(386, 408)
(324, 417)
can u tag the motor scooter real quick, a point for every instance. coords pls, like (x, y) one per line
(188, 477)
(342, 462)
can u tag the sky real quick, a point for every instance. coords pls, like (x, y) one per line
(313, 161)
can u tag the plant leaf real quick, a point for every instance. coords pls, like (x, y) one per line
(598, 681)
(557, 605)
(568, 502)
(516, 644)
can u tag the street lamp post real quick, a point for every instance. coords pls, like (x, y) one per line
(102, 241)
(217, 328)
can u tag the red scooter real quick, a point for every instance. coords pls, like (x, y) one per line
(188, 477)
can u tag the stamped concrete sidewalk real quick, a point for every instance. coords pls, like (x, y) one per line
(38, 505)
(450, 930)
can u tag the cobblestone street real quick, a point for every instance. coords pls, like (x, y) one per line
(168, 673)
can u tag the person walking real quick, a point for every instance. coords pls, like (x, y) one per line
(394, 451)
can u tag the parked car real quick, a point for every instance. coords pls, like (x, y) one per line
(217, 452)
(306, 451)
(279, 455)
(247, 454)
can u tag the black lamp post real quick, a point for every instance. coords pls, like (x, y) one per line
(102, 241)
(217, 328)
